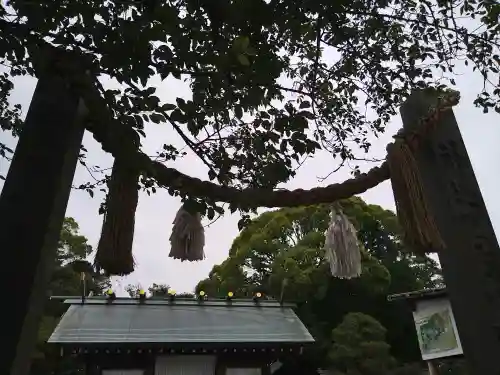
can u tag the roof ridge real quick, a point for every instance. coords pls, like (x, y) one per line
(98, 300)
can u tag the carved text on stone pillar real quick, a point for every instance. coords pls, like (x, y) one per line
(463, 201)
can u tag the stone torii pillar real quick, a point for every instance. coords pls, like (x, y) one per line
(32, 209)
(471, 260)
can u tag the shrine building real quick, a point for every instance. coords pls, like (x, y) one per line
(174, 336)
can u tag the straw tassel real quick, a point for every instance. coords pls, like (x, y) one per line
(421, 232)
(342, 247)
(188, 236)
(114, 251)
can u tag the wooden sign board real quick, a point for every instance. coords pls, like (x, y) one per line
(436, 329)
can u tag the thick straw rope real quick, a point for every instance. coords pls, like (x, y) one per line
(259, 197)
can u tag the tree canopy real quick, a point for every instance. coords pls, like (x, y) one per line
(272, 81)
(359, 346)
(72, 253)
(155, 290)
(280, 253)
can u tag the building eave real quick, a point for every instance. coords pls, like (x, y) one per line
(419, 295)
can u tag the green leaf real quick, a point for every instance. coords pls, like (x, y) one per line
(157, 118)
(210, 213)
(243, 60)
(307, 115)
(181, 103)
(243, 222)
(168, 107)
(211, 175)
(250, 51)
(245, 42)
(139, 121)
(241, 43)
(299, 123)
(178, 116)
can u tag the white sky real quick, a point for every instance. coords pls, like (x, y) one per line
(155, 213)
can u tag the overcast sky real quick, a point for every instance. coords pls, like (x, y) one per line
(155, 213)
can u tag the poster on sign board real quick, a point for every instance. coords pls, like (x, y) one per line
(436, 329)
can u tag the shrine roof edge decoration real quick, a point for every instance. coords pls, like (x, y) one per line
(178, 301)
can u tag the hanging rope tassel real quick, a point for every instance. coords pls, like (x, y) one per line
(421, 232)
(114, 251)
(342, 247)
(188, 237)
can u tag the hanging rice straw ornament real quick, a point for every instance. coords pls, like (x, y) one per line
(188, 236)
(342, 247)
(114, 250)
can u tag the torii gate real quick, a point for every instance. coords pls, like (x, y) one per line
(35, 195)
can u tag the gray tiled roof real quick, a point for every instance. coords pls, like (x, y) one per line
(161, 322)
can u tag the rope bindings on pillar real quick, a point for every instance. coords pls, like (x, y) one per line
(420, 230)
